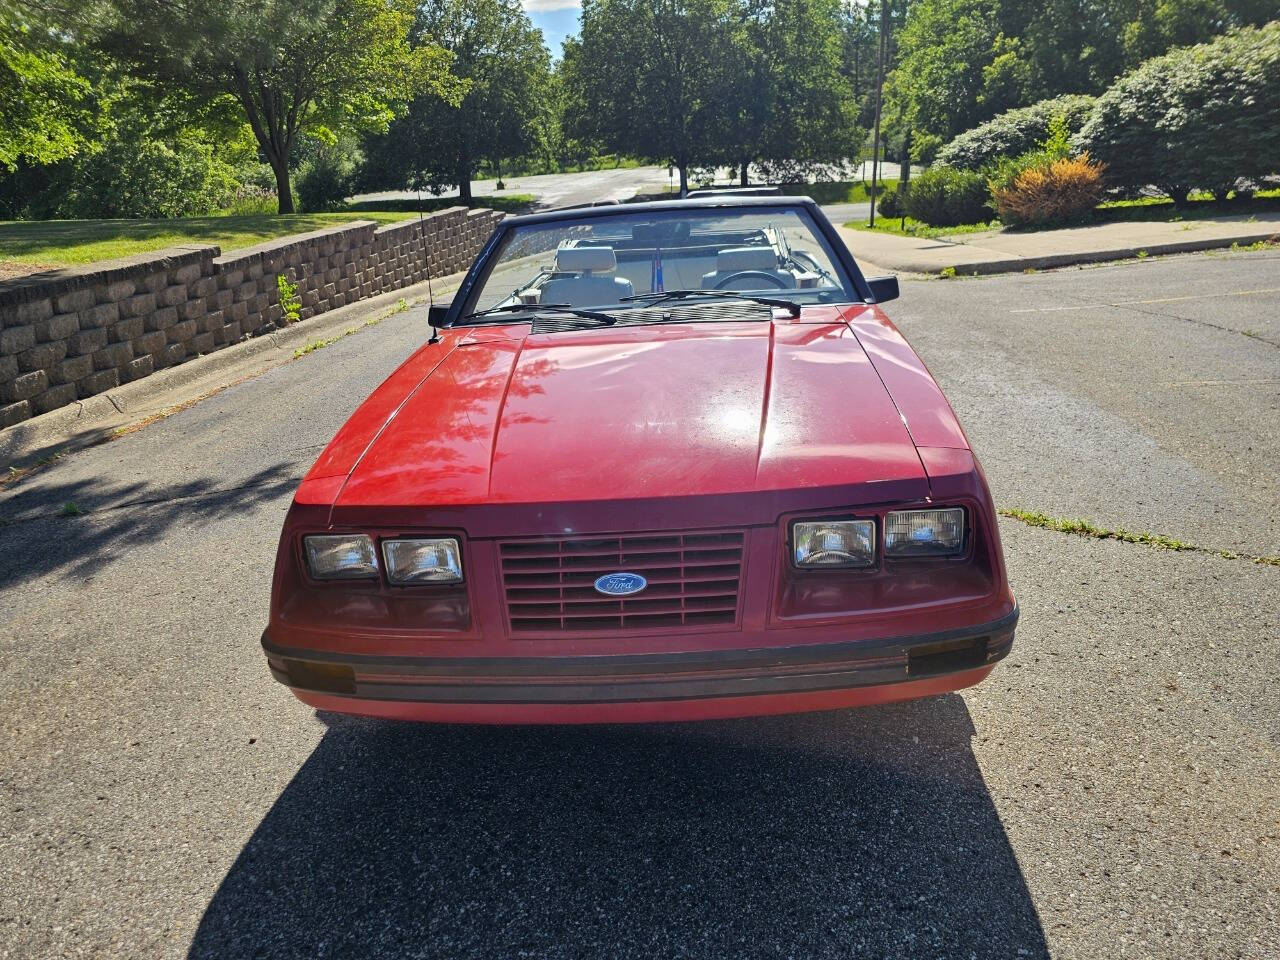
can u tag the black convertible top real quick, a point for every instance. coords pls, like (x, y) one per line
(662, 206)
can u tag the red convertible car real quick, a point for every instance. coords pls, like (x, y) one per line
(660, 462)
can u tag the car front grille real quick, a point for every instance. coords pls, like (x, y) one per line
(693, 580)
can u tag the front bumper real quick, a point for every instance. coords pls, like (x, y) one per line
(643, 687)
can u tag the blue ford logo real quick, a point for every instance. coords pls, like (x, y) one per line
(620, 584)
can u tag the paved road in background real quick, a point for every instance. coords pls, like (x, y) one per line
(1109, 792)
(555, 190)
(576, 189)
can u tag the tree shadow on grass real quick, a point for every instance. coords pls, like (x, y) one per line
(852, 833)
(78, 526)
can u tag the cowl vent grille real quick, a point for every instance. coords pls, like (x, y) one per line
(674, 312)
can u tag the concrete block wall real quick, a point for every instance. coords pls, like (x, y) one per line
(69, 334)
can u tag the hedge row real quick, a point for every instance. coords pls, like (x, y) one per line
(1202, 117)
(1197, 117)
(1013, 133)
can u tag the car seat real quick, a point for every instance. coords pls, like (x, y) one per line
(733, 260)
(585, 288)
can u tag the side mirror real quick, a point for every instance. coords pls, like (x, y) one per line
(436, 314)
(883, 289)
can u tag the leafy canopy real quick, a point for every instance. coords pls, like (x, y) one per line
(1202, 116)
(325, 65)
(506, 68)
(1014, 132)
(961, 62)
(44, 112)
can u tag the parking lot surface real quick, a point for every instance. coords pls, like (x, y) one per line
(1109, 792)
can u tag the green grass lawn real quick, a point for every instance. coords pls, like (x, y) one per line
(1154, 209)
(68, 242)
(60, 243)
(906, 227)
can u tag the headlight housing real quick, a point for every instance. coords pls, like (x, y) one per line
(828, 543)
(924, 533)
(433, 560)
(348, 556)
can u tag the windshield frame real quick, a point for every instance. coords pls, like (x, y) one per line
(476, 278)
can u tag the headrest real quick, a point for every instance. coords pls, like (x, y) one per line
(579, 259)
(746, 258)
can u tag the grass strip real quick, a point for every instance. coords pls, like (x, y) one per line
(401, 306)
(1084, 528)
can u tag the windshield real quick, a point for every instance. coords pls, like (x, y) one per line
(598, 262)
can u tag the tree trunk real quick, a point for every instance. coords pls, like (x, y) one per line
(904, 168)
(284, 191)
(464, 184)
(684, 179)
(746, 165)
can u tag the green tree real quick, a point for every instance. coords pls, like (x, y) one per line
(961, 62)
(1014, 132)
(812, 114)
(752, 100)
(46, 106)
(1197, 117)
(576, 130)
(1155, 26)
(292, 65)
(656, 79)
(505, 112)
(943, 48)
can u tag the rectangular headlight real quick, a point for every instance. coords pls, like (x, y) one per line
(924, 533)
(834, 543)
(341, 557)
(423, 561)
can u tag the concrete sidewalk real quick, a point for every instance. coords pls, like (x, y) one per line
(994, 251)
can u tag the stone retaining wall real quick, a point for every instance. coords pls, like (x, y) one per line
(69, 334)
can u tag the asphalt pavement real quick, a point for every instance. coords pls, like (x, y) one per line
(555, 190)
(1109, 792)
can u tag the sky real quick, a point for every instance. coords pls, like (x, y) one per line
(556, 19)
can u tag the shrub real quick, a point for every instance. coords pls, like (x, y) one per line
(890, 203)
(1201, 116)
(250, 200)
(1062, 190)
(322, 184)
(946, 197)
(924, 148)
(290, 302)
(327, 174)
(138, 175)
(1013, 133)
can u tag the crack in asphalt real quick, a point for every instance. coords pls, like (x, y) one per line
(1203, 323)
(1085, 302)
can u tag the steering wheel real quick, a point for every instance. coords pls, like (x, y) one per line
(768, 279)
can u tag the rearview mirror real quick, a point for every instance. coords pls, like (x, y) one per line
(883, 289)
(436, 314)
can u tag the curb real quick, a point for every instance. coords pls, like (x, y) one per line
(1050, 261)
(94, 419)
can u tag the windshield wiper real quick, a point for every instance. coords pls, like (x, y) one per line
(662, 295)
(471, 318)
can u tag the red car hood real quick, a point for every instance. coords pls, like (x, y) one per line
(495, 416)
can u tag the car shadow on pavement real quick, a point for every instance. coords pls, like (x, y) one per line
(75, 527)
(849, 833)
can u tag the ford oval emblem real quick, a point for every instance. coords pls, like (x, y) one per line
(620, 584)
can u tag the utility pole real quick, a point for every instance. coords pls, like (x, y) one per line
(875, 140)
